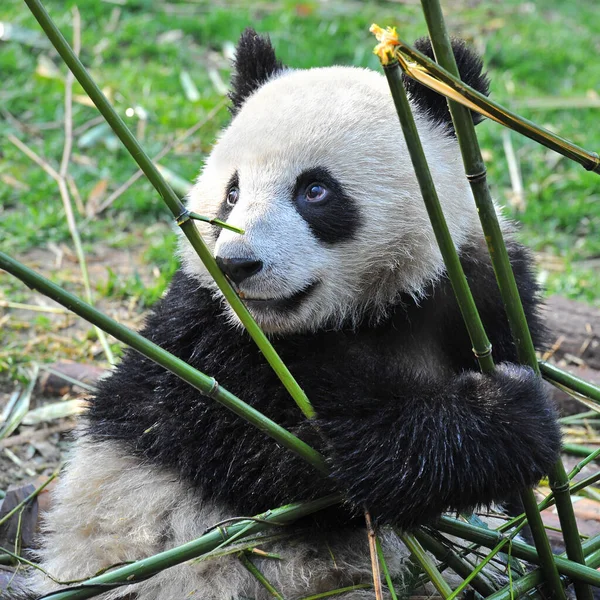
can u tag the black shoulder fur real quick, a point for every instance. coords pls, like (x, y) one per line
(432, 104)
(255, 63)
(409, 427)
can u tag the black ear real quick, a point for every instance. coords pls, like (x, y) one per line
(254, 64)
(432, 104)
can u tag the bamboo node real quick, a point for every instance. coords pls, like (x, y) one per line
(183, 217)
(595, 167)
(476, 177)
(561, 488)
(223, 532)
(484, 354)
(214, 390)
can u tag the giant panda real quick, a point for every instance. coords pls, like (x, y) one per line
(340, 267)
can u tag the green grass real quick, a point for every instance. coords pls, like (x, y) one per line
(137, 51)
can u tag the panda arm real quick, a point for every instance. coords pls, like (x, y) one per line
(417, 447)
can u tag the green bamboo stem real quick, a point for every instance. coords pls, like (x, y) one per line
(476, 174)
(490, 538)
(558, 376)
(460, 566)
(593, 455)
(207, 385)
(560, 486)
(576, 418)
(481, 345)
(147, 567)
(338, 591)
(478, 568)
(386, 571)
(549, 501)
(581, 485)
(422, 69)
(427, 564)
(540, 538)
(172, 201)
(535, 578)
(578, 450)
(256, 573)
(216, 222)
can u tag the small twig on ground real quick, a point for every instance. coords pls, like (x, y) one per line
(75, 193)
(514, 170)
(374, 559)
(21, 306)
(36, 436)
(555, 347)
(45, 165)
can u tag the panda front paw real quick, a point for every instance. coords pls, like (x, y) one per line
(433, 446)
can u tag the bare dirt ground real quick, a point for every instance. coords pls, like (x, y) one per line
(47, 335)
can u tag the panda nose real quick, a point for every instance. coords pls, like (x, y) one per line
(239, 269)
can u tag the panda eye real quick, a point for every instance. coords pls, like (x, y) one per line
(316, 192)
(232, 196)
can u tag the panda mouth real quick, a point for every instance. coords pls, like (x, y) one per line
(286, 304)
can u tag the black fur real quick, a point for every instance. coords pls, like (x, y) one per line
(432, 104)
(408, 439)
(255, 63)
(333, 220)
(225, 209)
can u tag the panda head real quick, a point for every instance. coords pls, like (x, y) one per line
(314, 169)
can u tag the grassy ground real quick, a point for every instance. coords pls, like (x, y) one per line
(151, 57)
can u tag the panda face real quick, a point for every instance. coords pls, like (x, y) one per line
(314, 169)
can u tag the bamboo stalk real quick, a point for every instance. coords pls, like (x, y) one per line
(142, 569)
(549, 501)
(205, 384)
(555, 375)
(490, 538)
(460, 566)
(386, 572)
(559, 484)
(258, 575)
(428, 565)
(178, 210)
(533, 579)
(476, 174)
(421, 68)
(338, 591)
(578, 450)
(479, 568)
(578, 418)
(481, 345)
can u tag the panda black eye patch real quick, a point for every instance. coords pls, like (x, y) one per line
(321, 201)
(227, 205)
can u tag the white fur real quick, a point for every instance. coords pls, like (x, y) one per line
(109, 508)
(343, 119)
